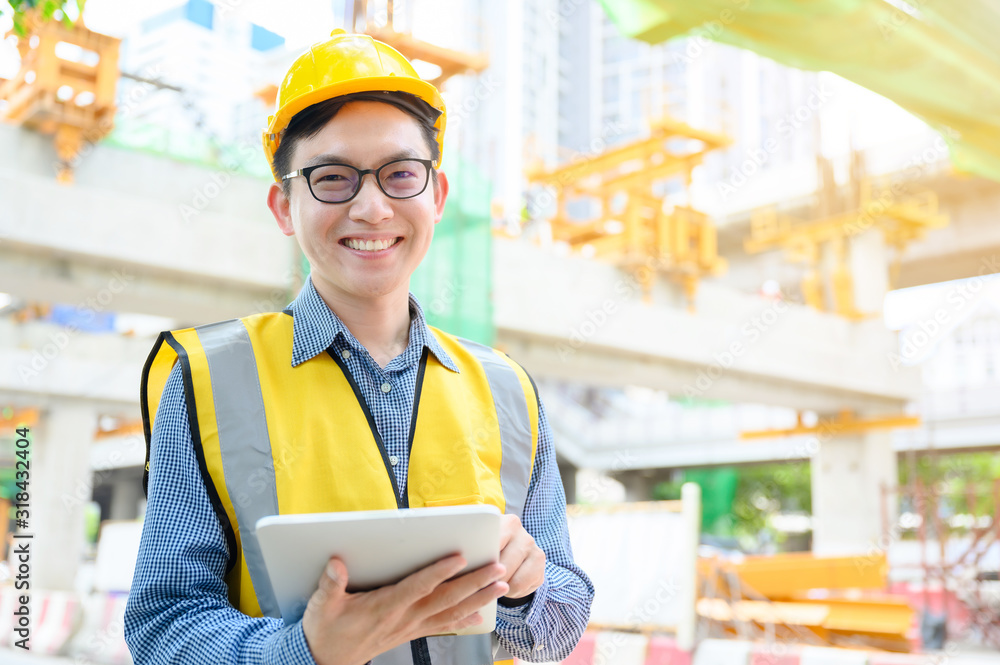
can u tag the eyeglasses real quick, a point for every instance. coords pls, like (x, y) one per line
(339, 183)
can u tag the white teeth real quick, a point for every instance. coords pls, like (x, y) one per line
(369, 245)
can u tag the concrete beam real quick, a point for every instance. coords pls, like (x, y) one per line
(623, 453)
(202, 249)
(572, 319)
(44, 365)
(97, 286)
(45, 218)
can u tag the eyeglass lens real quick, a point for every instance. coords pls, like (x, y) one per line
(334, 183)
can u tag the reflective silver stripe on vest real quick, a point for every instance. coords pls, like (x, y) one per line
(461, 649)
(515, 425)
(446, 650)
(247, 463)
(401, 655)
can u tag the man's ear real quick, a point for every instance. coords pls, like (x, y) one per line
(281, 208)
(440, 195)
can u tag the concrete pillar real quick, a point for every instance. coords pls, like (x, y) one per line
(847, 473)
(869, 262)
(638, 484)
(60, 464)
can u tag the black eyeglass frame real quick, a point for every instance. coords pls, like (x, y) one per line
(307, 172)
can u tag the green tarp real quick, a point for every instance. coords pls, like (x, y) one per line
(938, 60)
(454, 283)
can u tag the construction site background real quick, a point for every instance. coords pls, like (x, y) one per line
(747, 251)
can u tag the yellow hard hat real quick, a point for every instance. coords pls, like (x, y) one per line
(342, 65)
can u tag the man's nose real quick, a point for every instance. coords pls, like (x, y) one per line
(371, 204)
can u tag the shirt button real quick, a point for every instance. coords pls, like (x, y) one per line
(539, 647)
(345, 354)
(386, 387)
(393, 460)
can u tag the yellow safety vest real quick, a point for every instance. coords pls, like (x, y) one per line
(275, 439)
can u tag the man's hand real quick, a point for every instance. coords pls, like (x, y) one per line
(523, 559)
(344, 628)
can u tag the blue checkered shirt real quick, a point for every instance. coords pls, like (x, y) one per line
(178, 609)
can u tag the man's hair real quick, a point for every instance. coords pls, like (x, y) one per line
(309, 121)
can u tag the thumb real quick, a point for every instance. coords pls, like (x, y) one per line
(333, 581)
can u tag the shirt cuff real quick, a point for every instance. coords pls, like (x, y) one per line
(527, 614)
(288, 646)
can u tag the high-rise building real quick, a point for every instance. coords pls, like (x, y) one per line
(175, 46)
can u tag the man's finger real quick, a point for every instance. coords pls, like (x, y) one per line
(332, 585)
(457, 615)
(512, 557)
(423, 582)
(509, 525)
(456, 591)
(334, 578)
(528, 577)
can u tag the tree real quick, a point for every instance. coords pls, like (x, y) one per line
(24, 11)
(741, 502)
(963, 482)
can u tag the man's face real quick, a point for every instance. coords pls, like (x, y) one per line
(365, 135)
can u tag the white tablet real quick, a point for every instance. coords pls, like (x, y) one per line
(379, 547)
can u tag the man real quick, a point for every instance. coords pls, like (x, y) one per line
(347, 400)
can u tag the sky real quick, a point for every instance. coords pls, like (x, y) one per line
(311, 21)
(299, 28)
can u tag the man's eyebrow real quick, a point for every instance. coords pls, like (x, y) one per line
(331, 158)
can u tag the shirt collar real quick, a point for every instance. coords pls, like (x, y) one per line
(315, 327)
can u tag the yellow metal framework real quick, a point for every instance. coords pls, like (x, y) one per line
(363, 17)
(65, 86)
(634, 229)
(450, 61)
(804, 598)
(844, 423)
(900, 218)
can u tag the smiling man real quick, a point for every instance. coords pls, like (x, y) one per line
(347, 400)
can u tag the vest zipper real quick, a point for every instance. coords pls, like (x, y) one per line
(402, 499)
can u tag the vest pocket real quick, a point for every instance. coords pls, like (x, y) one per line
(467, 500)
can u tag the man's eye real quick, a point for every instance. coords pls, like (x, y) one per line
(397, 175)
(333, 177)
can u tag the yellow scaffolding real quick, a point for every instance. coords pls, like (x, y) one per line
(65, 86)
(844, 422)
(901, 218)
(450, 61)
(641, 236)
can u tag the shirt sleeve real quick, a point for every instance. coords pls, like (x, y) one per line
(178, 608)
(548, 628)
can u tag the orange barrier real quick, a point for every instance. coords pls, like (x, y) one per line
(620, 648)
(101, 638)
(54, 617)
(607, 647)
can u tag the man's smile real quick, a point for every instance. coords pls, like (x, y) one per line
(371, 245)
